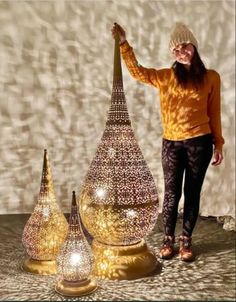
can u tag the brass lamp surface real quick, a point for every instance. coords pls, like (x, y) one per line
(74, 261)
(46, 228)
(118, 200)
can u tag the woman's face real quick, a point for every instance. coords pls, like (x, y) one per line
(183, 53)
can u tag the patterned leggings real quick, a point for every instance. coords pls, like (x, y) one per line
(191, 156)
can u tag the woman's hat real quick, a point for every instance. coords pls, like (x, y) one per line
(181, 34)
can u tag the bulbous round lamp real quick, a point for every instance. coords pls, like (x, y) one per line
(45, 230)
(74, 261)
(119, 200)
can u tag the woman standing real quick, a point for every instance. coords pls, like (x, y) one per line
(191, 120)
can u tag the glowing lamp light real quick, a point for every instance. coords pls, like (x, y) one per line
(101, 193)
(75, 258)
(74, 261)
(46, 228)
(131, 213)
(119, 200)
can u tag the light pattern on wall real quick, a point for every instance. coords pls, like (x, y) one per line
(55, 89)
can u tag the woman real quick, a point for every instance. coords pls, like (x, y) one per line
(190, 111)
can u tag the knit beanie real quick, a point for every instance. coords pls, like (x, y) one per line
(181, 34)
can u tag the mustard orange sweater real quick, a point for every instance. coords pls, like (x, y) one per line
(185, 112)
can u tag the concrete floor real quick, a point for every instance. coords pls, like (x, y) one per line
(211, 277)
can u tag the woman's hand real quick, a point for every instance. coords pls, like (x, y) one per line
(118, 30)
(217, 157)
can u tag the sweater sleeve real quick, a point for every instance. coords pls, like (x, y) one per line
(214, 111)
(142, 74)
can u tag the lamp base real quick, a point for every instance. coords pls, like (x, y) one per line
(40, 267)
(123, 262)
(75, 289)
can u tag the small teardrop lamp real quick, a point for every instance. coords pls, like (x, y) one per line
(74, 261)
(45, 230)
(119, 200)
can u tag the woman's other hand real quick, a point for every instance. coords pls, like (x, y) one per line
(118, 30)
(217, 157)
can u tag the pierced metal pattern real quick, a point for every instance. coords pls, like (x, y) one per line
(74, 261)
(47, 227)
(118, 113)
(119, 200)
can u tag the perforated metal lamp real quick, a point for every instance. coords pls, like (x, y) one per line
(119, 200)
(74, 261)
(46, 228)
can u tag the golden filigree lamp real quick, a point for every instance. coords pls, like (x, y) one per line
(119, 200)
(74, 260)
(46, 229)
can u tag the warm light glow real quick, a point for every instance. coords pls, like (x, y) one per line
(111, 152)
(47, 227)
(46, 212)
(118, 201)
(131, 213)
(103, 266)
(74, 261)
(100, 193)
(75, 258)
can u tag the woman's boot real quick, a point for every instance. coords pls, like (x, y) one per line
(185, 248)
(167, 249)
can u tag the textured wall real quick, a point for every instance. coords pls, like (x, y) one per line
(55, 86)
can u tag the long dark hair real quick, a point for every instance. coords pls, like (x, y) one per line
(194, 75)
